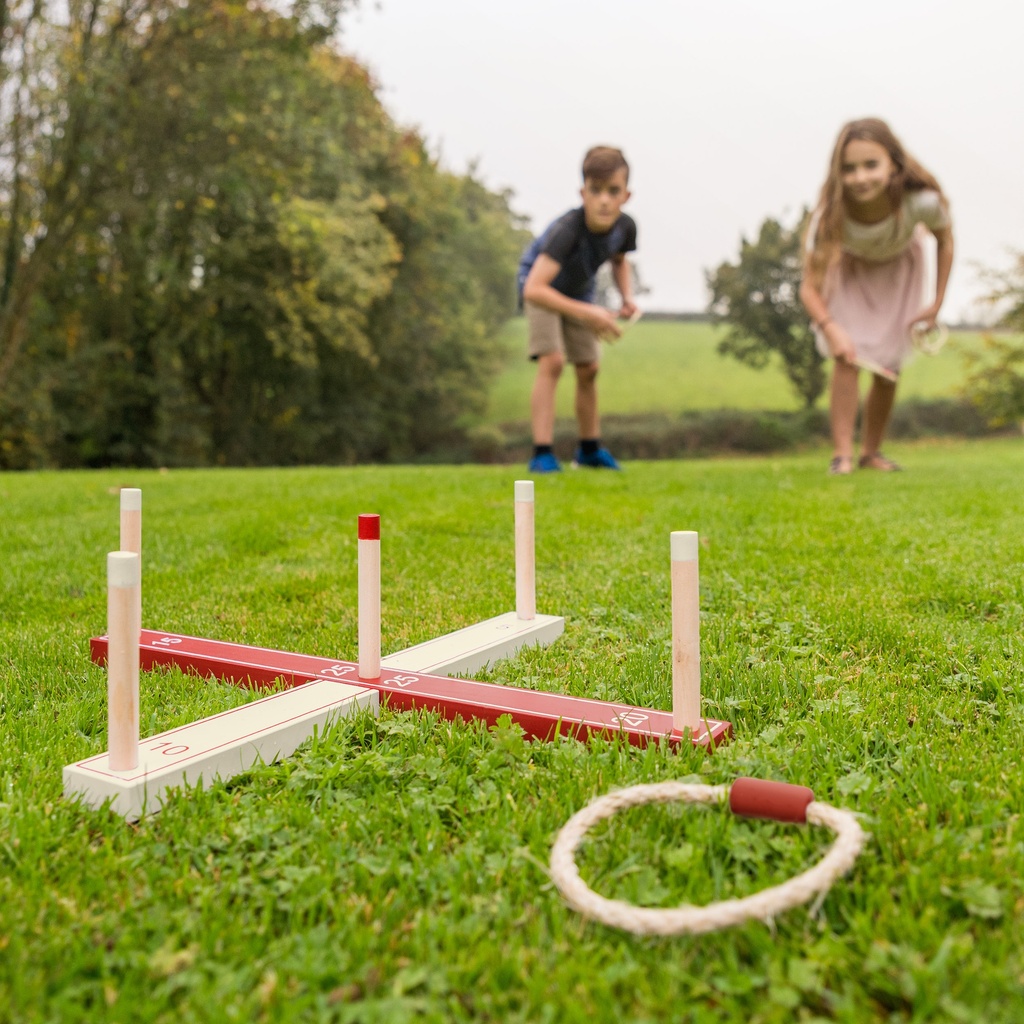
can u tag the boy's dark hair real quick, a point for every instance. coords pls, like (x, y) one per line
(601, 162)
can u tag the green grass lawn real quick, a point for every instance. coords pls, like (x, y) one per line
(864, 636)
(669, 367)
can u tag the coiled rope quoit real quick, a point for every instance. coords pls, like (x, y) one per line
(751, 798)
(929, 340)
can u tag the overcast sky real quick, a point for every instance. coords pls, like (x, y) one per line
(727, 110)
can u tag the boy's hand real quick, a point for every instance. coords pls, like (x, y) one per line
(602, 322)
(628, 309)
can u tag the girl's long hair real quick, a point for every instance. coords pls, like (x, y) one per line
(826, 246)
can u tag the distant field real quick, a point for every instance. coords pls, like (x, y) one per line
(671, 367)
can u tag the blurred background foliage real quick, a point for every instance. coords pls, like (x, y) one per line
(758, 297)
(217, 248)
(994, 383)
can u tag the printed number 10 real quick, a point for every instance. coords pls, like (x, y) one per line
(170, 748)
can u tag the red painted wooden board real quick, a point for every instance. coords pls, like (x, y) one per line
(541, 715)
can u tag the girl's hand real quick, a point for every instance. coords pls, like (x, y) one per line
(929, 317)
(839, 342)
(627, 309)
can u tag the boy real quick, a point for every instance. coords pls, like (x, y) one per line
(557, 277)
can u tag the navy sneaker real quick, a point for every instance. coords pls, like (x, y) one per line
(545, 463)
(601, 459)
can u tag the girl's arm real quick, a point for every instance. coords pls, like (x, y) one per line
(622, 274)
(839, 342)
(943, 265)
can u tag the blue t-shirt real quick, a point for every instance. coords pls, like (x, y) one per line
(578, 251)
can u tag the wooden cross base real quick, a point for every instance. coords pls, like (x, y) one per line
(218, 747)
(540, 715)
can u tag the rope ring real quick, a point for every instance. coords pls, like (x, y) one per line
(929, 341)
(688, 919)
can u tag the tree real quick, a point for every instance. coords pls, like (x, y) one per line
(159, 245)
(758, 297)
(264, 268)
(995, 381)
(455, 286)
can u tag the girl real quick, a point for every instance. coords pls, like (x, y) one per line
(863, 283)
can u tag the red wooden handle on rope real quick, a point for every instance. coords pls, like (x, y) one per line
(779, 801)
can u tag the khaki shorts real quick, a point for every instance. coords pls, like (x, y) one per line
(551, 332)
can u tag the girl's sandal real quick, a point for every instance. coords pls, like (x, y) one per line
(880, 462)
(841, 465)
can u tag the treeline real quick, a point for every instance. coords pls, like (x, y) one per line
(217, 248)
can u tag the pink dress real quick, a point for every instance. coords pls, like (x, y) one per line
(876, 289)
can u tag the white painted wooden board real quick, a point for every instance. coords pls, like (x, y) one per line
(220, 746)
(483, 643)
